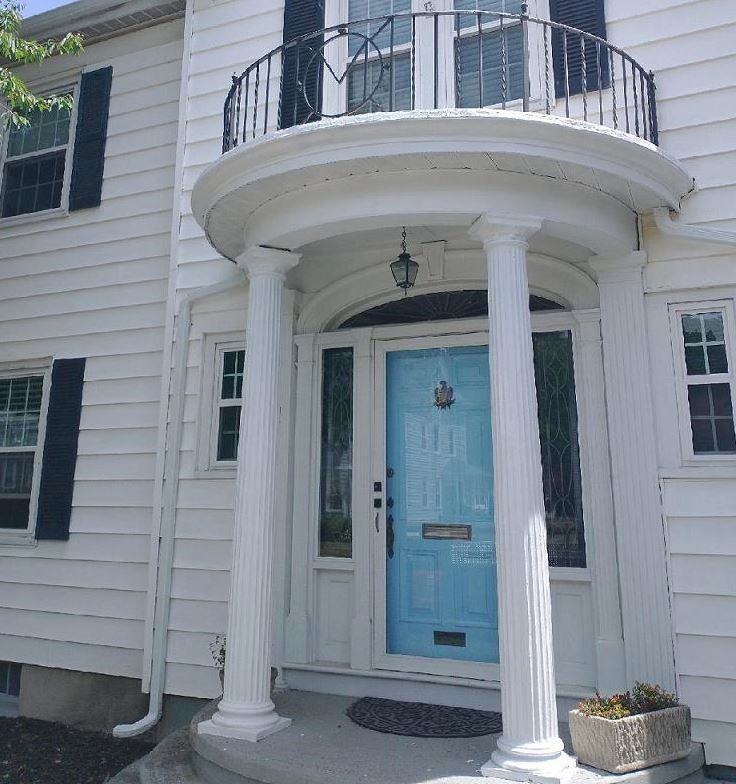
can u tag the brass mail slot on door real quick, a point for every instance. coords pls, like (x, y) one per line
(447, 531)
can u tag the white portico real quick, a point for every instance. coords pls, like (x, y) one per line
(305, 191)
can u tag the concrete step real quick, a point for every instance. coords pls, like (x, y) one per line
(323, 746)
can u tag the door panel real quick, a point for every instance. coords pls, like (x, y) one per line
(441, 574)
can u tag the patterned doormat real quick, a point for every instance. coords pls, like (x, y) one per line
(421, 720)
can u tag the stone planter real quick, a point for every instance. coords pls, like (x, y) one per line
(632, 743)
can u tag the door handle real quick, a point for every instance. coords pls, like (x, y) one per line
(390, 536)
(377, 516)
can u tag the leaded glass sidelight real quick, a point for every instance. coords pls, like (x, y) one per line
(336, 468)
(558, 434)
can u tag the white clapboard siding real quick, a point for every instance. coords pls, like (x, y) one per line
(94, 284)
(687, 42)
(701, 532)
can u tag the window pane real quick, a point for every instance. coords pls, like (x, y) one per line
(20, 410)
(691, 329)
(503, 76)
(379, 31)
(16, 478)
(717, 361)
(370, 90)
(705, 346)
(711, 418)
(336, 468)
(46, 129)
(699, 400)
(505, 6)
(695, 360)
(725, 436)
(233, 363)
(702, 436)
(228, 432)
(33, 184)
(558, 434)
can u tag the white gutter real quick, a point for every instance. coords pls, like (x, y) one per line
(683, 231)
(164, 531)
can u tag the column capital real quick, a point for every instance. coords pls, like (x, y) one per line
(491, 229)
(619, 269)
(259, 260)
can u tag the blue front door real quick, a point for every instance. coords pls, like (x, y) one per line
(440, 538)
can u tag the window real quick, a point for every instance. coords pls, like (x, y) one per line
(9, 679)
(489, 70)
(554, 376)
(378, 82)
(35, 163)
(336, 469)
(707, 378)
(21, 403)
(229, 403)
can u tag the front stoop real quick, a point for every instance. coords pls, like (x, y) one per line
(322, 746)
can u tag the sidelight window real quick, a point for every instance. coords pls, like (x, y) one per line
(336, 459)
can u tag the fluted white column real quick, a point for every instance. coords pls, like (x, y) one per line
(645, 605)
(246, 710)
(530, 747)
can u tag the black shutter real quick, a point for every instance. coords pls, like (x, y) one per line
(302, 63)
(60, 450)
(589, 16)
(89, 142)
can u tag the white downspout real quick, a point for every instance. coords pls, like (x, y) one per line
(683, 231)
(167, 517)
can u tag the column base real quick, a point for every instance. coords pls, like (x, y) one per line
(543, 763)
(251, 723)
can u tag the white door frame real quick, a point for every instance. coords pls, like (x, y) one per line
(368, 565)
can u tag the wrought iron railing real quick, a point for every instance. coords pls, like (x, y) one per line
(441, 59)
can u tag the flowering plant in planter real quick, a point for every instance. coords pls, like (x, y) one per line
(624, 732)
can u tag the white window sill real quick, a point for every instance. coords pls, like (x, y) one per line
(16, 539)
(33, 217)
(216, 472)
(8, 705)
(702, 470)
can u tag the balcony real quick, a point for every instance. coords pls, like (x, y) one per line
(442, 60)
(428, 118)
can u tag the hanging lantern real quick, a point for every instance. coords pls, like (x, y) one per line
(404, 269)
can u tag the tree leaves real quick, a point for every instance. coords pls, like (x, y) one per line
(17, 100)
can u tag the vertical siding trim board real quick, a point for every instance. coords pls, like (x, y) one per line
(90, 139)
(60, 450)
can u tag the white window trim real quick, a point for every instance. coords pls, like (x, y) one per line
(676, 311)
(213, 348)
(63, 208)
(14, 536)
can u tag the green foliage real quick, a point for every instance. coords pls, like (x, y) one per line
(618, 706)
(643, 698)
(648, 698)
(18, 98)
(218, 649)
